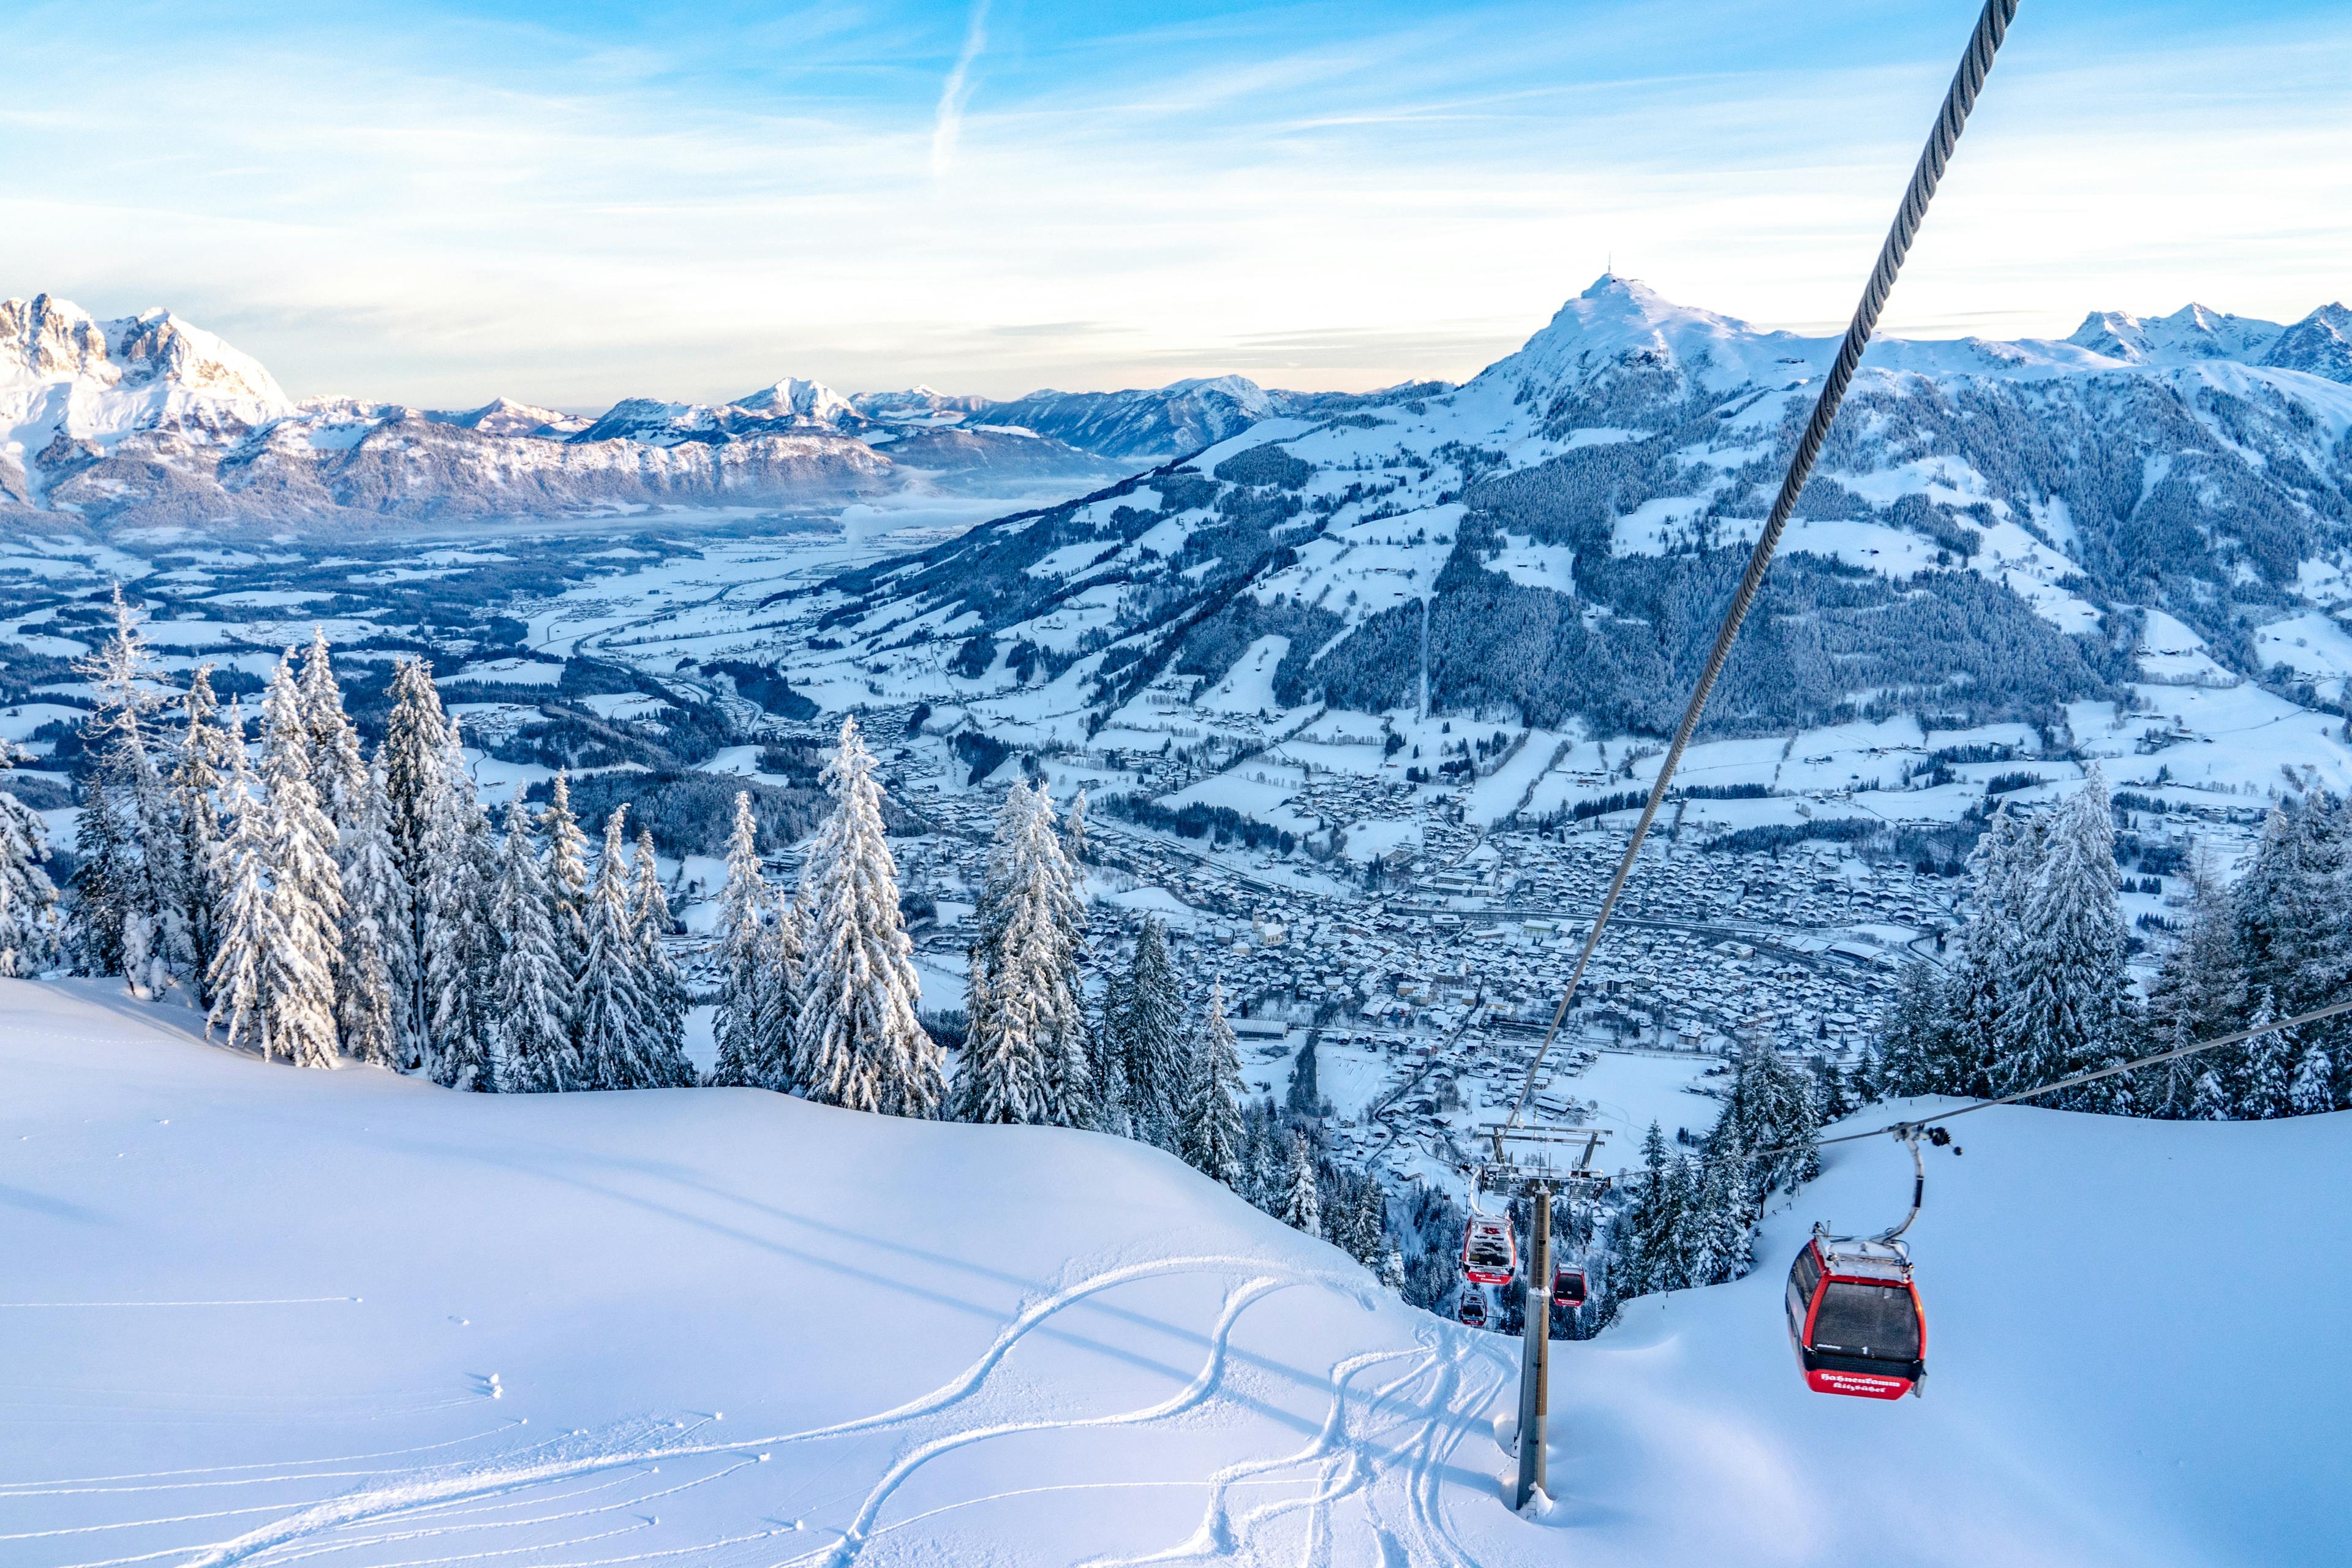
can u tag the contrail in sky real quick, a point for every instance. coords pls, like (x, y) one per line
(947, 124)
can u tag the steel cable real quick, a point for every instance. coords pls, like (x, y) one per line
(1991, 26)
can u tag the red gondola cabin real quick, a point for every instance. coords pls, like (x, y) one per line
(1856, 1320)
(1490, 1254)
(1473, 1310)
(1568, 1288)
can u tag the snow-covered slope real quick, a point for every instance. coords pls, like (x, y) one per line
(1991, 526)
(255, 1315)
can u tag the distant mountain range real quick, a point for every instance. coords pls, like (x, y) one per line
(145, 421)
(1997, 529)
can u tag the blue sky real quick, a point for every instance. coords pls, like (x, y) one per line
(574, 203)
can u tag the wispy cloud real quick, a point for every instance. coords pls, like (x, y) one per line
(947, 120)
(1323, 196)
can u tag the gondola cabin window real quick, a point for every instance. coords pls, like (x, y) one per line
(1875, 1321)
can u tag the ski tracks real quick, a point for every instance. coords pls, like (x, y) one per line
(1383, 1447)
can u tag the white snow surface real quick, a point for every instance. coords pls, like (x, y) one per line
(260, 1315)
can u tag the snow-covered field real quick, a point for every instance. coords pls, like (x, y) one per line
(258, 1315)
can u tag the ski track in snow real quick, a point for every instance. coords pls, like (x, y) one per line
(1385, 1445)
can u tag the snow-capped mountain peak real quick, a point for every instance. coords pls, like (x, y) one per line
(1620, 325)
(505, 416)
(2191, 333)
(2319, 345)
(799, 398)
(48, 341)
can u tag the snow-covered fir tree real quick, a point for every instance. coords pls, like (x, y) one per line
(777, 1015)
(124, 902)
(459, 948)
(856, 1041)
(745, 910)
(2314, 1089)
(1025, 1053)
(2066, 1006)
(661, 988)
(247, 924)
(28, 897)
(2293, 925)
(375, 979)
(1913, 1033)
(306, 892)
(1073, 1082)
(1302, 1199)
(532, 999)
(413, 757)
(1154, 1052)
(1770, 1125)
(1977, 994)
(1367, 1233)
(1719, 1221)
(611, 1029)
(2209, 1101)
(566, 866)
(1209, 1129)
(199, 772)
(2266, 1086)
(2199, 992)
(339, 771)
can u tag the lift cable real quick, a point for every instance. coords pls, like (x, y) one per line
(1992, 25)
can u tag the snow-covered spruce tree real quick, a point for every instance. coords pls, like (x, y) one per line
(1368, 1235)
(2209, 1101)
(28, 898)
(105, 884)
(460, 948)
(857, 1042)
(1073, 1082)
(566, 865)
(1772, 1111)
(1718, 1224)
(744, 912)
(1833, 1092)
(1391, 1269)
(2294, 922)
(662, 989)
(246, 920)
(124, 902)
(1074, 837)
(199, 772)
(778, 1013)
(1642, 1236)
(1977, 993)
(375, 979)
(1302, 1201)
(612, 1030)
(2314, 1089)
(2067, 1006)
(306, 889)
(338, 773)
(531, 997)
(1026, 1054)
(1914, 1040)
(1151, 1036)
(2265, 1088)
(1209, 1129)
(2199, 992)
(412, 756)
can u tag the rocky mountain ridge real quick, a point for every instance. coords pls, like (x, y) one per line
(147, 421)
(1998, 530)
